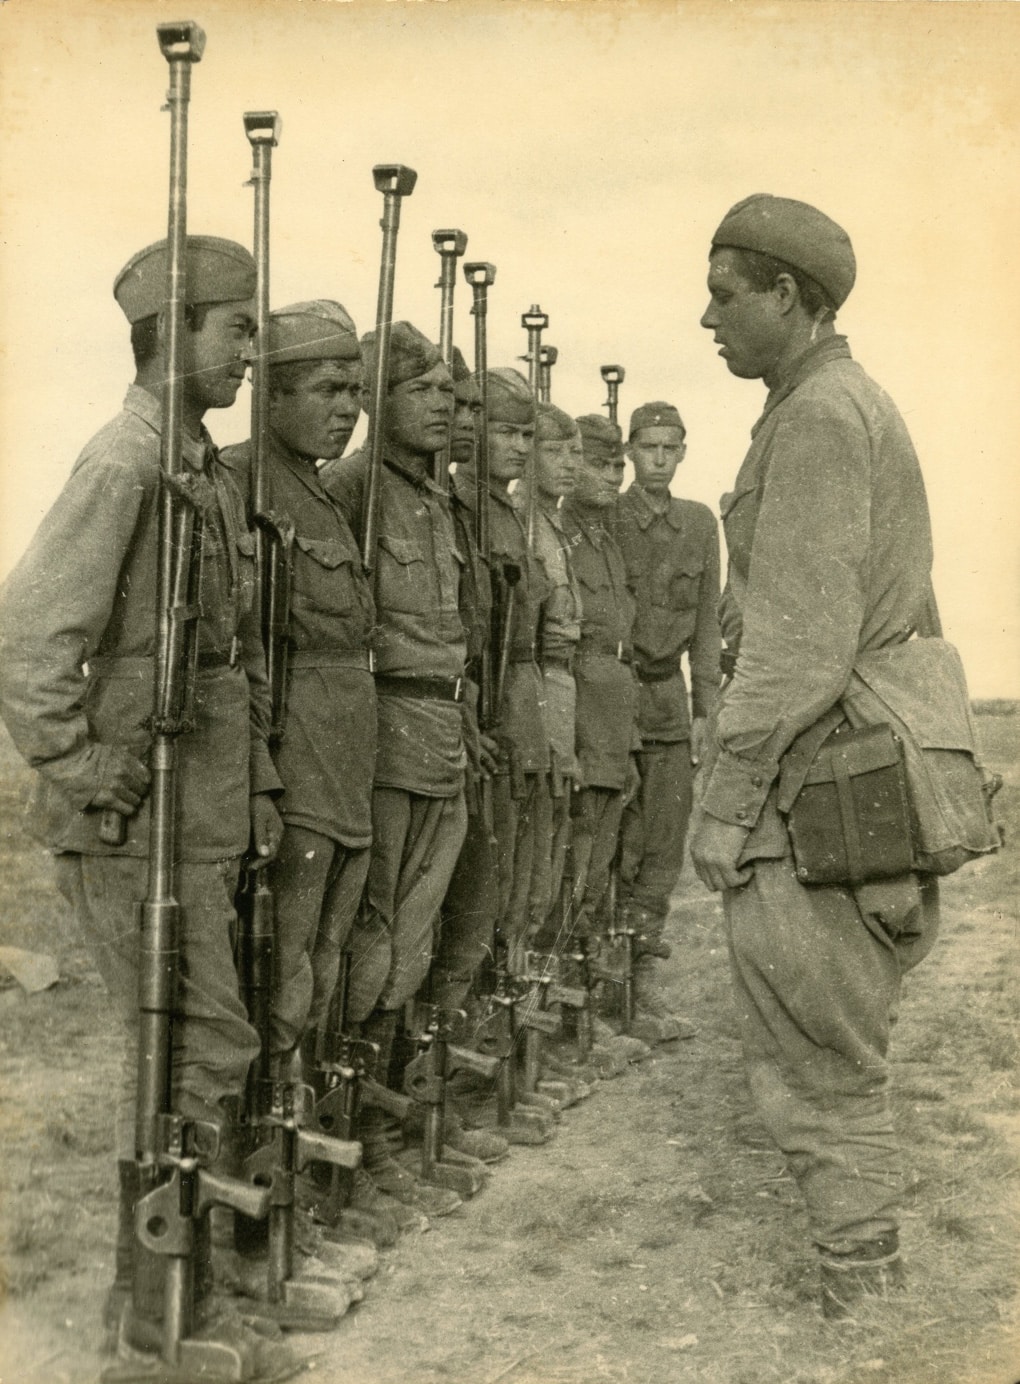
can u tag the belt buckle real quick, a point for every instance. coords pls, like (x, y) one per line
(371, 660)
(619, 652)
(458, 689)
(235, 652)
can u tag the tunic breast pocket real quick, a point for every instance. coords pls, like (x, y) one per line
(404, 579)
(323, 575)
(684, 586)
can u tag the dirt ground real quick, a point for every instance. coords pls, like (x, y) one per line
(656, 1238)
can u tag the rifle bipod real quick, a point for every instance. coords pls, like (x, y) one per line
(313, 1302)
(425, 1079)
(178, 1192)
(616, 966)
(537, 1019)
(519, 1120)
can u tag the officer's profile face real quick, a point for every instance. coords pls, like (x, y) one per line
(556, 462)
(216, 354)
(599, 478)
(510, 447)
(656, 452)
(747, 324)
(419, 412)
(315, 414)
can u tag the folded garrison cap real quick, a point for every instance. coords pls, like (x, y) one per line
(552, 424)
(317, 330)
(797, 234)
(459, 367)
(509, 397)
(412, 354)
(217, 271)
(602, 440)
(655, 415)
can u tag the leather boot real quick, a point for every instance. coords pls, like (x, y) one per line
(653, 1020)
(872, 1269)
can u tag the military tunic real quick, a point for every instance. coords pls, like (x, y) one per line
(561, 633)
(829, 556)
(671, 550)
(606, 702)
(77, 669)
(418, 812)
(326, 757)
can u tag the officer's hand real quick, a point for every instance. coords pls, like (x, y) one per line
(488, 755)
(715, 850)
(632, 783)
(699, 739)
(266, 826)
(123, 781)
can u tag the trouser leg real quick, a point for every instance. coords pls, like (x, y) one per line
(414, 851)
(213, 1043)
(816, 983)
(654, 829)
(467, 916)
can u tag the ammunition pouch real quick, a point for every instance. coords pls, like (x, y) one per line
(889, 780)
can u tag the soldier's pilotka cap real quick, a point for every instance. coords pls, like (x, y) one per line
(602, 440)
(412, 354)
(509, 397)
(655, 415)
(217, 271)
(552, 424)
(316, 330)
(797, 234)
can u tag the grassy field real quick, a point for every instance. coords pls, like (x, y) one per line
(656, 1239)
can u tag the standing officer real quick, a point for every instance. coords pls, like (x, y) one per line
(418, 811)
(79, 631)
(829, 556)
(326, 756)
(671, 549)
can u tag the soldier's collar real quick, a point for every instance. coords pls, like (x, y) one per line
(195, 451)
(420, 481)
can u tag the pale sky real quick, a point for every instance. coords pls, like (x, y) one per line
(588, 148)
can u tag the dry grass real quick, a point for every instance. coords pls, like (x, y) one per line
(654, 1241)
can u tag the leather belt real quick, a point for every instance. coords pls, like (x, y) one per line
(621, 654)
(660, 674)
(361, 659)
(564, 662)
(137, 665)
(422, 689)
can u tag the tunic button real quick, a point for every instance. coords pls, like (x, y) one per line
(756, 781)
(741, 814)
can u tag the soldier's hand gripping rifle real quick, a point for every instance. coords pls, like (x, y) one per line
(279, 1144)
(177, 1184)
(395, 181)
(449, 245)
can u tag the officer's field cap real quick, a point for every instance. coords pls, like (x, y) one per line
(655, 415)
(217, 271)
(797, 234)
(412, 354)
(552, 424)
(316, 330)
(602, 440)
(508, 397)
